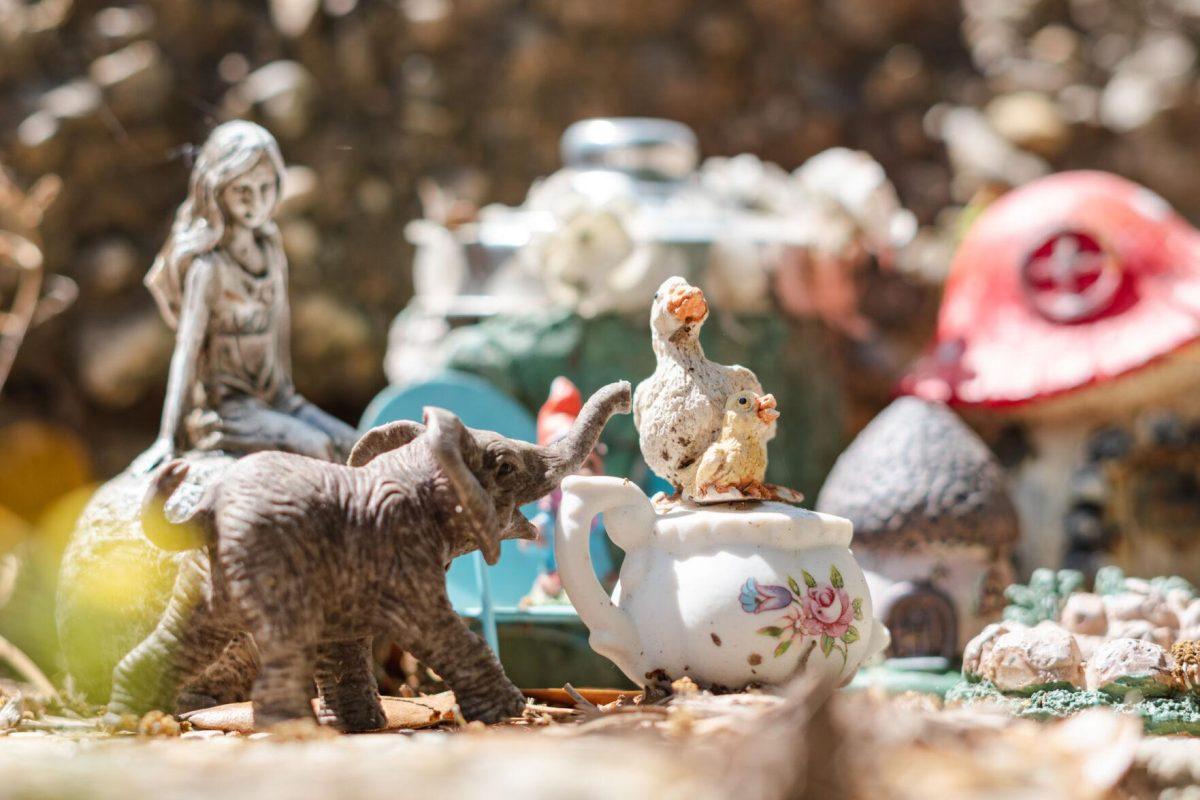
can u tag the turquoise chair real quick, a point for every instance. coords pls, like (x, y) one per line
(489, 594)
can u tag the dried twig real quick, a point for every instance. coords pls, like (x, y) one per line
(553, 711)
(581, 702)
(11, 712)
(9, 566)
(25, 667)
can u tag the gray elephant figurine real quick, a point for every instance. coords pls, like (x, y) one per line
(300, 564)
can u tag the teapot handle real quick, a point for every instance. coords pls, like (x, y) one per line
(613, 634)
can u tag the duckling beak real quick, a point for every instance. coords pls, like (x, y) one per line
(766, 409)
(687, 304)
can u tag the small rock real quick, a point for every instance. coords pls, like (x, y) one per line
(1189, 618)
(1088, 645)
(1084, 612)
(1179, 601)
(1042, 657)
(1151, 607)
(978, 651)
(1141, 629)
(1123, 665)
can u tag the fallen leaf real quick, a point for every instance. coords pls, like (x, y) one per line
(403, 713)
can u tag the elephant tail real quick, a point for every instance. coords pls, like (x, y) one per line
(191, 532)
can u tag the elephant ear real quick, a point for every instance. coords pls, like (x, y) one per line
(382, 439)
(475, 510)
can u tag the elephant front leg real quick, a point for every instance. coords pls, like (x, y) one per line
(470, 669)
(346, 681)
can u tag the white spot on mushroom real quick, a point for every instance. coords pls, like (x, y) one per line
(1151, 205)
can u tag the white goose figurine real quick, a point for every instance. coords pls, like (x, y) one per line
(679, 409)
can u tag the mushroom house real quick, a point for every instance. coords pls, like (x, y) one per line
(934, 527)
(1067, 337)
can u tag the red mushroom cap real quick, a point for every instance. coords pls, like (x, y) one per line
(558, 413)
(1067, 282)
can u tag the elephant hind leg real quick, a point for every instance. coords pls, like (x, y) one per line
(346, 681)
(227, 680)
(185, 641)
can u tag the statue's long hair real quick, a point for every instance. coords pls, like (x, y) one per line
(232, 150)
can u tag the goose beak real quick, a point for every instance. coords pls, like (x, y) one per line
(766, 409)
(687, 304)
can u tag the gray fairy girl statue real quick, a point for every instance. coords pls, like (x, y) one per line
(221, 281)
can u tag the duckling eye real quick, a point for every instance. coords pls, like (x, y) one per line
(656, 295)
(742, 401)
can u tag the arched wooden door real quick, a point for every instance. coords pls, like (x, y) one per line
(921, 619)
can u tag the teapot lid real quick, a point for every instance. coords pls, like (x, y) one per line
(768, 524)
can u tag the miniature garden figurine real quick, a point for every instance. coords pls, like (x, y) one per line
(315, 560)
(934, 525)
(221, 281)
(737, 460)
(722, 583)
(679, 410)
(1068, 334)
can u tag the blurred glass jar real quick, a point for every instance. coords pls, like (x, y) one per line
(632, 206)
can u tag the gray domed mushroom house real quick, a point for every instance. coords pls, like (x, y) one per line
(934, 526)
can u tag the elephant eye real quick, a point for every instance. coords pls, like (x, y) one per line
(505, 468)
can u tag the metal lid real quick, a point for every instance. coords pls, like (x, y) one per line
(644, 147)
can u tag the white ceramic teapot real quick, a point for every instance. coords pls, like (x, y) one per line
(728, 595)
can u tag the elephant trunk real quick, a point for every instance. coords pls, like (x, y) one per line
(476, 513)
(568, 454)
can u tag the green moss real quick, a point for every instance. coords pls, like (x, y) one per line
(967, 692)
(1059, 703)
(1165, 584)
(1110, 580)
(1144, 685)
(1163, 715)
(1043, 597)
(1056, 686)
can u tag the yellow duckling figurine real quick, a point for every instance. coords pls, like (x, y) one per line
(738, 458)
